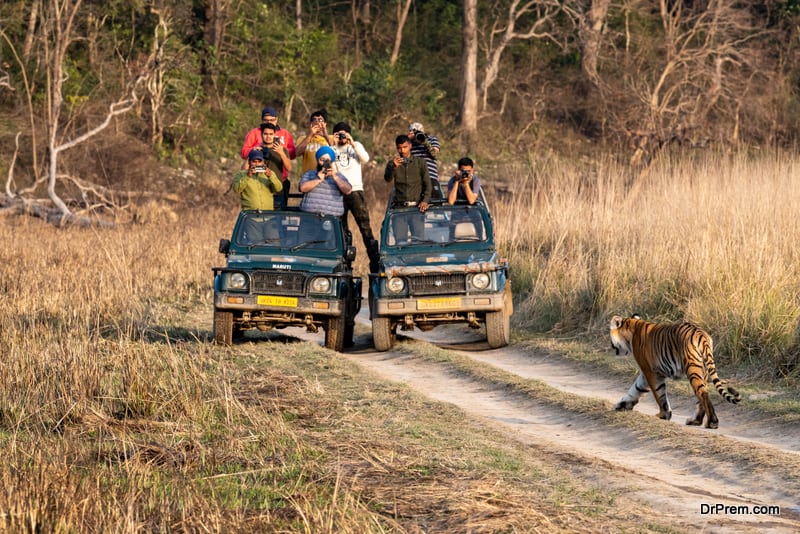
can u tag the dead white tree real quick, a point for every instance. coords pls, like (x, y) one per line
(58, 20)
(536, 18)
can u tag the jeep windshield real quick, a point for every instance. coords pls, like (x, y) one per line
(439, 226)
(287, 230)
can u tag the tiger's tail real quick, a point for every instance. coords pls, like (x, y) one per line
(729, 393)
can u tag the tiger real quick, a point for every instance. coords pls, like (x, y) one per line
(670, 351)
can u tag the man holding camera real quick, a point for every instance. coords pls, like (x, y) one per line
(350, 156)
(316, 138)
(276, 156)
(465, 185)
(258, 184)
(412, 188)
(253, 138)
(426, 147)
(324, 187)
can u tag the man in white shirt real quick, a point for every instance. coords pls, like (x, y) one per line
(350, 156)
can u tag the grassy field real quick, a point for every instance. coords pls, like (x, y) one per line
(712, 240)
(118, 414)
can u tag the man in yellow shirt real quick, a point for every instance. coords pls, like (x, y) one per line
(316, 138)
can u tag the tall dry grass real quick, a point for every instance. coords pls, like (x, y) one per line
(713, 239)
(118, 415)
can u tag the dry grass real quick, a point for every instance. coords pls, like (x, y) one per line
(713, 240)
(117, 414)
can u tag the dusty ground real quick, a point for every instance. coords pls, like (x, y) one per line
(688, 492)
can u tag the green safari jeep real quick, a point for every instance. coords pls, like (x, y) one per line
(286, 268)
(439, 267)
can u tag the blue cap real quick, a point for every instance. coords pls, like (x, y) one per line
(269, 110)
(255, 154)
(325, 150)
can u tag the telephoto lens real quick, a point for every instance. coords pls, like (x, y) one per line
(419, 137)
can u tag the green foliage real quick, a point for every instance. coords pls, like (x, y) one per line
(364, 96)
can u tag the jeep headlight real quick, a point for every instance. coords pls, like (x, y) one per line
(395, 285)
(481, 280)
(237, 281)
(321, 284)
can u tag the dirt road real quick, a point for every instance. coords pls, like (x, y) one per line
(692, 492)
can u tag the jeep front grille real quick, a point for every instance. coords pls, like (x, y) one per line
(278, 283)
(438, 284)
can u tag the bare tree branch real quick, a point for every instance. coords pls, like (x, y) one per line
(546, 11)
(10, 179)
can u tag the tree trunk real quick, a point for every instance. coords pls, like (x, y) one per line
(469, 81)
(29, 35)
(590, 32)
(298, 10)
(398, 38)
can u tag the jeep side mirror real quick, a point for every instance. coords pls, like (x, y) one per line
(350, 254)
(224, 246)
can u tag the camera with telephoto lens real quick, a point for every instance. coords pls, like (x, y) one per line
(464, 175)
(326, 164)
(342, 136)
(419, 137)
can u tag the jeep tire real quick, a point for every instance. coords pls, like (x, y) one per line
(223, 327)
(383, 334)
(335, 333)
(498, 324)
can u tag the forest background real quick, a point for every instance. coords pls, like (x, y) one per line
(110, 109)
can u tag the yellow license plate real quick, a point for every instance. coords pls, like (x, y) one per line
(266, 300)
(436, 304)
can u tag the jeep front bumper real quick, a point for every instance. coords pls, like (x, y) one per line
(440, 304)
(257, 304)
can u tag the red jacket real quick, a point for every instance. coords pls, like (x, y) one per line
(253, 140)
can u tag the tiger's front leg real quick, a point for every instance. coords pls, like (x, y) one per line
(631, 398)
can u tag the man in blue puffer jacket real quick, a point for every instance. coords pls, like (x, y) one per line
(323, 188)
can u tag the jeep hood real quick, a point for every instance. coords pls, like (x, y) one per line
(282, 262)
(442, 260)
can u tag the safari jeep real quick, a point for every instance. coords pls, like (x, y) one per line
(440, 267)
(286, 268)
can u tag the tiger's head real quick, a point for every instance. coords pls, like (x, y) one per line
(621, 331)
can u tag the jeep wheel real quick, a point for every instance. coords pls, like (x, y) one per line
(335, 333)
(498, 329)
(383, 334)
(223, 327)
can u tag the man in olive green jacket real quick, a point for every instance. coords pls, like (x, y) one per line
(257, 187)
(412, 189)
(258, 184)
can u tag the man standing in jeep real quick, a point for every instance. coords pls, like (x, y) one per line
(350, 156)
(412, 188)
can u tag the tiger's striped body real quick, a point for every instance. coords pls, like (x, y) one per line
(670, 351)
